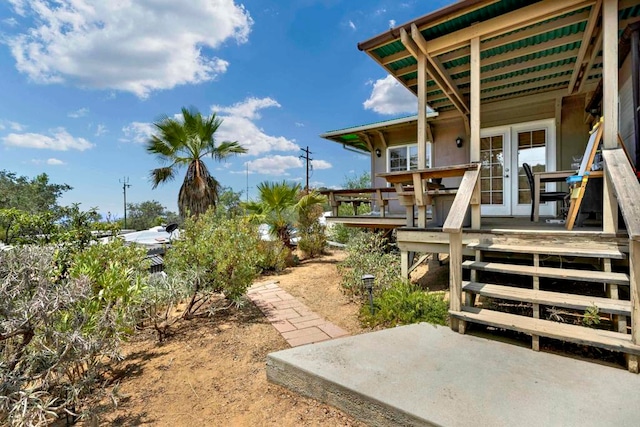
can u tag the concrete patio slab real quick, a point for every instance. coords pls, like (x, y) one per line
(426, 375)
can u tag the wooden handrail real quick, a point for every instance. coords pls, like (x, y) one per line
(625, 187)
(455, 219)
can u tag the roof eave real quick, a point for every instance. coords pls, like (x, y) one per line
(425, 20)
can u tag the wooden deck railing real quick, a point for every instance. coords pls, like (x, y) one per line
(358, 196)
(627, 190)
(468, 194)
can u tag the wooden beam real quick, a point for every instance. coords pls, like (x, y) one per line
(593, 56)
(367, 141)
(474, 150)
(408, 43)
(582, 60)
(505, 23)
(610, 72)
(450, 87)
(382, 138)
(518, 35)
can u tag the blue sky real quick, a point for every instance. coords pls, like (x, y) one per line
(83, 81)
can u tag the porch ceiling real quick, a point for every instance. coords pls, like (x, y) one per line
(526, 47)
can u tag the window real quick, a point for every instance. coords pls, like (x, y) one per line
(405, 157)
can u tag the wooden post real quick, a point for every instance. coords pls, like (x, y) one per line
(634, 277)
(404, 264)
(455, 279)
(474, 149)
(535, 339)
(610, 105)
(619, 322)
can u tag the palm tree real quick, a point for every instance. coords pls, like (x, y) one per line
(278, 206)
(186, 142)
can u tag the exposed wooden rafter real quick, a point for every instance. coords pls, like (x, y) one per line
(367, 140)
(435, 68)
(383, 138)
(589, 37)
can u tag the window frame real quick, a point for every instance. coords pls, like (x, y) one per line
(407, 147)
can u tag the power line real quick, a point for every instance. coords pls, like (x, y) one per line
(308, 160)
(125, 185)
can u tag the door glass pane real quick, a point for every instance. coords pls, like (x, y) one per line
(532, 150)
(492, 177)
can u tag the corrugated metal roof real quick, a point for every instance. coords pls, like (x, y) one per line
(544, 49)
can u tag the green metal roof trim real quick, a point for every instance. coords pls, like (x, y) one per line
(524, 82)
(525, 92)
(486, 13)
(381, 122)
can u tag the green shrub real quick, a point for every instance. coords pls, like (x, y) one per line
(342, 234)
(272, 255)
(313, 241)
(366, 254)
(60, 333)
(403, 304)
(215, 255)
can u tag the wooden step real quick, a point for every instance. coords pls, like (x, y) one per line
(550, 272)
(556, 299)
(550, 250)
(571, 333)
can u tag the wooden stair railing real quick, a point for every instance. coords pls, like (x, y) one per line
(627, 191)
(467, 193)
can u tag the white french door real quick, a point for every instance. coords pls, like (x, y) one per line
(503, 150)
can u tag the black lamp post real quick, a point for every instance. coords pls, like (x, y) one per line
(367, 280)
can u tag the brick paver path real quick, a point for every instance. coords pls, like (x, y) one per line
(294, 320)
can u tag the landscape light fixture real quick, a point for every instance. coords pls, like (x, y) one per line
(378, 152)
(367, 281)
(459, 142)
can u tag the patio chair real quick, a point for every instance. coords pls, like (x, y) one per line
(545, 196)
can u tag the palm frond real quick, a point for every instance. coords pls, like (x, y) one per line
(162, 175)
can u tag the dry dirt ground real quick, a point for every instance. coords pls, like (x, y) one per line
(211, 372)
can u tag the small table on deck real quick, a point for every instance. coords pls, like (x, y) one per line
(553, 176)
(413, 188)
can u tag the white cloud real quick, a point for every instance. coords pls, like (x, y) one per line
(238, 125)
(14, 126)
(321, 164)
(274, 165)
(78, 113)
(392, 23)
(131, 46)
(138, 132)
(58, 139)
(11, 22)
(352, 25)
(299, 124)
(100, 129)
(55, 162)
(249, 108)
(390, 97)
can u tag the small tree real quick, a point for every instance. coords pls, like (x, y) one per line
(214, 255)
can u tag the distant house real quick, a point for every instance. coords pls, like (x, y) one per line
(509, 83)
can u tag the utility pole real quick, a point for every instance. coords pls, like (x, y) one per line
(125, 185)
(308, 160)
(247, 196)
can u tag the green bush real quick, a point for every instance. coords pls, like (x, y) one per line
(403, 304)
(215, 255)
(342, 234)
(367, 254)
(60, 333)
(272, 255)
(313, 241)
